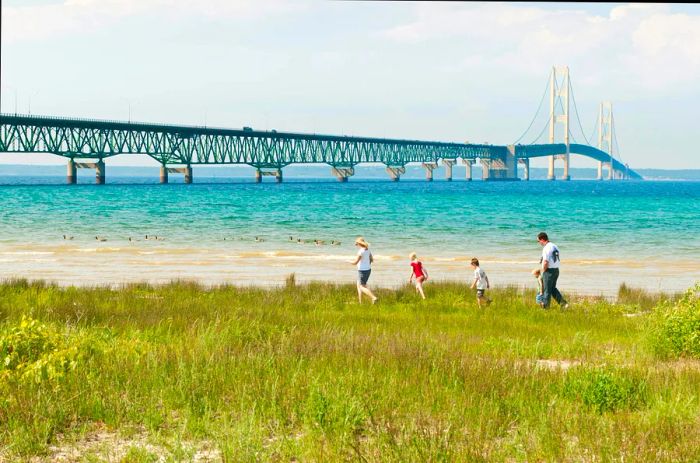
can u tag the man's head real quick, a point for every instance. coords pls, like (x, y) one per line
(542, 238)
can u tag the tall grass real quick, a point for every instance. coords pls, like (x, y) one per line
(305, 373)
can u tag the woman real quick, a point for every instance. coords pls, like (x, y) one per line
(363, 261)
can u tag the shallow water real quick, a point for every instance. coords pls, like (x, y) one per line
(642, 233)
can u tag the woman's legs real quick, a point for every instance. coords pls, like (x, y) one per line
(364, 289)
(362, 277)
(419, 286)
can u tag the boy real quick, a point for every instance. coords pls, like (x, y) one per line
(481, 282)
(540, 287)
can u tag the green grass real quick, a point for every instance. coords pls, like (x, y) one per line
(304, 373)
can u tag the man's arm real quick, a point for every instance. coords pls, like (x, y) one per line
(545, 265)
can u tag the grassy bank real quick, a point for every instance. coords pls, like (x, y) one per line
(304, 373)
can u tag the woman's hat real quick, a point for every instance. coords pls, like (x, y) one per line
(361, 241)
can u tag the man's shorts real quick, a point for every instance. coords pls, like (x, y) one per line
(480, 292)
(363, 276)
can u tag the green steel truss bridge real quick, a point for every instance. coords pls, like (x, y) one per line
(81, 140)
(177, 148)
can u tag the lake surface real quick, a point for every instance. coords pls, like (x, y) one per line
(643, 233)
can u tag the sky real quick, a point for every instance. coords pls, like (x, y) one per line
(430, 71)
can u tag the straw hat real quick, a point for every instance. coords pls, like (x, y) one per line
(361, 241)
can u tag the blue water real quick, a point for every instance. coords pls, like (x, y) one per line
(635, 224)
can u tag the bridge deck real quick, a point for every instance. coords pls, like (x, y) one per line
(188, 145)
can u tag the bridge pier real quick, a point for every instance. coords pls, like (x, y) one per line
(395, 172)
(550, 172)
(566, 176)
(100, 172)
(343, 173)
(429, 168)
(71, 177)
(99, 167)
(186, 171)
(501, 169)
(611, 171)
(260, 173)
(468, 165)
(448, 163)
(600, 171)
(526, 168)
(485, 169)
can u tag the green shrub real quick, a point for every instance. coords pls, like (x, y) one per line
(32, 352)
(605, 389)
(675, 327)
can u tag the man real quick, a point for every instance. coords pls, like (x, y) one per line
(550, 271)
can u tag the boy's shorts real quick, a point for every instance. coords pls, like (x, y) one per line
(480, 292)
(539, 298)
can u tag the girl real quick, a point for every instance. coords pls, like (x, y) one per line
(419, 272)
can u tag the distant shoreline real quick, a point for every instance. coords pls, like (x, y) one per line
(321, 172)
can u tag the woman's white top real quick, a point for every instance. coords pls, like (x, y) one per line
(364, 263)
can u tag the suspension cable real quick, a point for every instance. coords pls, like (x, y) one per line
(536, 114)
(617, 147)
(595, 126)
(573, 98)
(540, 135)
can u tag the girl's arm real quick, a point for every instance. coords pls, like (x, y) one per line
(371, 258)
(488, 285)
(357, 259)
(425, 272)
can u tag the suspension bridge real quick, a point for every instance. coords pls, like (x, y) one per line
(87, 143)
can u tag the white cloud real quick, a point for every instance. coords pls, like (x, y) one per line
(640, 47)
(73, 17)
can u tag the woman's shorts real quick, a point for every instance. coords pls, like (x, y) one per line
(363, 276)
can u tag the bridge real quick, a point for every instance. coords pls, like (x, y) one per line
(87, 143)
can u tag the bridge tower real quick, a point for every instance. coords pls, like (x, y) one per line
(554, 118)
(605, 137)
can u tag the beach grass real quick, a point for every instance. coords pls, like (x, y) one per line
(304, 373)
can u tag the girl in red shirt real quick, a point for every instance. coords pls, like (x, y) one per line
(419, 272)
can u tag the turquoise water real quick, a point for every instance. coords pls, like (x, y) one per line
(644, 233)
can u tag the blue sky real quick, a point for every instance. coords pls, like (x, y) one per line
(434, 71)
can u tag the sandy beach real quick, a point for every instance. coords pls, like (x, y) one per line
(262, 264)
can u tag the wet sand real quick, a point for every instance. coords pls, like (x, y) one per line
(114, 263)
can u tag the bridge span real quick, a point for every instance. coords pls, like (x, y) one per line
(87, 143)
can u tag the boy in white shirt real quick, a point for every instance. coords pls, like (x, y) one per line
(481, 283)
